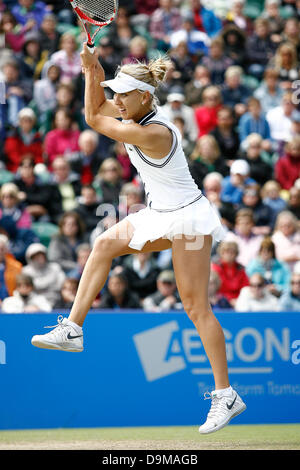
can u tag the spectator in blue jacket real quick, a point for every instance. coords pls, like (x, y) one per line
(234, 93)
(204, 19)
(233, 186)
(276, 273)
(29, 10)
(254, 121)
(290, 300)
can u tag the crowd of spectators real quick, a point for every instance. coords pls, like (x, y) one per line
(233, 91)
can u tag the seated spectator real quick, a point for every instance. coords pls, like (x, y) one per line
(18, 90)
(86, 162)
(260, 170)
(67, 294)
(120, 153)
(256, 297)
(175, 107)
(66, 100)
(234, 44)
(42, 200)
(194, 88)
(291, 32)
(47, 277)
(49, 36)
(165, 20)
(184, 64)
(197, 41)
(32, 59)
(206, 158)
(63, 139)
(25, 299)
(216, 300)
(280, 122)
(120, 33)
(141, 271)
(234, 93)
(233, 186)
(119, 295)
(254, 122)
(269, 93)
(19, 238)
(82, 252)
(285, 62)
(206, 114)
(88, 203)
(217, 61)
(262, 214)
(23, 140)
(236, 16)
(67, 58)
(276, 23)
(294, 201)
(108, 181)
(9, 269)
(44, 90)
(14, 33)
(138, 51)
(10, 206)
(260, 48)
(67, 183)
(25, 10)
(286, 238)
(63, 245)
(225, 134)
(243, 234)
(232, 274)
(287, 168)
(166, 296)
(212, 187)
(271, 197)
(275, 273)
(205, 19)
(290, 299)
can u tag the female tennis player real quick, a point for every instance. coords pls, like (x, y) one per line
(177, 216)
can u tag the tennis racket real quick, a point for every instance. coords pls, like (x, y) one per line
(94, 13)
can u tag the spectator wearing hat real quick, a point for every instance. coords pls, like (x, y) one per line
(290, 299)
(233, 186)
(9, 269)
(166, 296)
(119, 295)
(175, 106)
(47, 277)
(23, 140)
(206, 114)
(256, 297)
(25, 299)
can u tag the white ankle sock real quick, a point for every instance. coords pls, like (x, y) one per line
(75, 326)
(224, 391)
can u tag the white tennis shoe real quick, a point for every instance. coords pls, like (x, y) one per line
(66, 336)
(223, 409)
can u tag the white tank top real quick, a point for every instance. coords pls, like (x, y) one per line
(168, 182)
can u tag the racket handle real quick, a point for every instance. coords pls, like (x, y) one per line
(91, 48)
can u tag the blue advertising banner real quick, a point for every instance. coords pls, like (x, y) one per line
(143, 369)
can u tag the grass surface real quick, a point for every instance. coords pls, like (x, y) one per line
(279, 437)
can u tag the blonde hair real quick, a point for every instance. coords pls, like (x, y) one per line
(286, 47)
(153, 73)
(108, 162)
(10, 188)
(215, 149)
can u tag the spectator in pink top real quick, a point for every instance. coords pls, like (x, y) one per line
(67, 58)
(286, 238)
(63, 139)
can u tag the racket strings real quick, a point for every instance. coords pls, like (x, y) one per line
(98, 10)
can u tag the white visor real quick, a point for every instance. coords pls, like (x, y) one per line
(123, 83)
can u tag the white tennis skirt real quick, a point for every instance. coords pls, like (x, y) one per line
(198, 218)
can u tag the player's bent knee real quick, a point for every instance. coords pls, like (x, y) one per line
(196, 309)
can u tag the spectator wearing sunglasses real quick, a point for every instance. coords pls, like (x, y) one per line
(256, 297)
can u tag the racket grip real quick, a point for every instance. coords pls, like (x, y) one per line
(91, 48)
